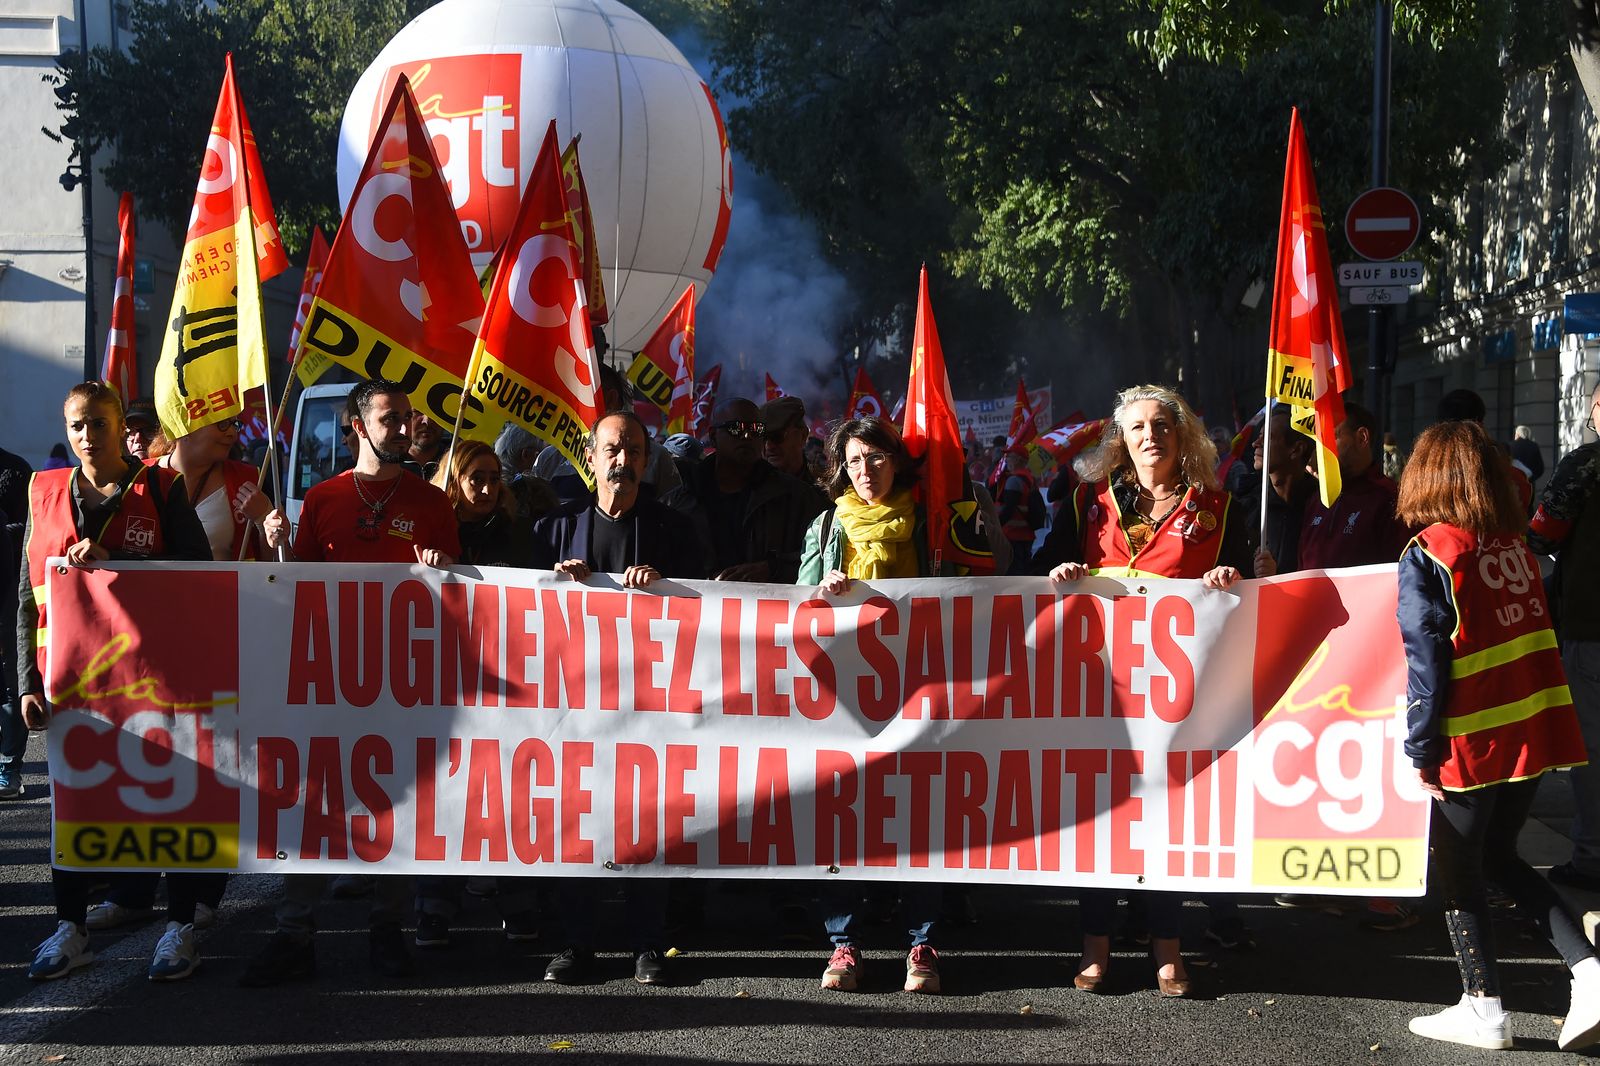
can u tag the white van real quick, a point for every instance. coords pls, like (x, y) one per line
(318, 449)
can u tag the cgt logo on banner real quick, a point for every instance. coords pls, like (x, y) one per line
(1124, 733)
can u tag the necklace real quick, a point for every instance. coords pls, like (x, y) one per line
(367, 524)
(1175, 497)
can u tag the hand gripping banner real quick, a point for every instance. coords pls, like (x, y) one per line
(1118, 732)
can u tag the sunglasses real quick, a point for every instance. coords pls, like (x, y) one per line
(746, 430)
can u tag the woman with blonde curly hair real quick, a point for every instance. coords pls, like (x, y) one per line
(1149, 505)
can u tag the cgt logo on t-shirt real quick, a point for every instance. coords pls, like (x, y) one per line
(403, 527)
(139, 535)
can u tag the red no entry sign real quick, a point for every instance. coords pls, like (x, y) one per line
(1382, 224)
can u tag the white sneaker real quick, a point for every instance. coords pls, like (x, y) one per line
(204, 916)
(109, 915)
(65, 951)
(1582, 1027)
(1465, 1024)
(175, 957)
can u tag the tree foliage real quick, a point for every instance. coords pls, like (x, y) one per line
(1106, 153)
(296, 61)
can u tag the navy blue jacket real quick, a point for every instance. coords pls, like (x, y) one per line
(663, 538)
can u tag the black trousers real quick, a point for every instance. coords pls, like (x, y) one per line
(183, 891)
(1474, 840)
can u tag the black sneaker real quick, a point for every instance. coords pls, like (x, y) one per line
(1569, 875)
(571, 967)
(522, 926)
(386, 951)
(287, 957)
(649, 968)
(433, 931)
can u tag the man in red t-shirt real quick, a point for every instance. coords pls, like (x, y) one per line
(376, 513)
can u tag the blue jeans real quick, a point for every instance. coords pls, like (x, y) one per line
(919, 903)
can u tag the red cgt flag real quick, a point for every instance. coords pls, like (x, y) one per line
(773, 389)
(120, 366)
(534, 363)
(1023, 428)
(581, 218)
(214, 346)
(864, 399)
(663, 371)
(705, 400)
(316, 261)
(1307, 363)
(398, 297)
(1065, 442)
(955, 538)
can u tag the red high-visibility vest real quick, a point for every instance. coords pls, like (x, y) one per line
(1508, 714)
(135, 528)
(1186, 543)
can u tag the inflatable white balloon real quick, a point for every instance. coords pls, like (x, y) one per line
(489, 75)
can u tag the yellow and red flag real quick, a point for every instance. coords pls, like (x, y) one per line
(663, 371)
(534, 362)
(956, 544)
(581, 218)
(1023, 427)
(316, 261)
(1065, 442)
(120, 366)
(398, 297)
(705, 401)
(1307, 362)
(774, 390)
(864, 399)
(215, 345)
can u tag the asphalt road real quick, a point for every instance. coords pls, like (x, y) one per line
(1316, 990)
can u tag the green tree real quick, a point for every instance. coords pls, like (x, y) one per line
(296, 61)
(1100, 156)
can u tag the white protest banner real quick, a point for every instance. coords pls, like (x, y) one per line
(1118, 731)
(988, 419)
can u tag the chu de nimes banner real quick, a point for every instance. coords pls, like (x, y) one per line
(1126, 732)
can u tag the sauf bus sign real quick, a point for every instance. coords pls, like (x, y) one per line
(1381, 225)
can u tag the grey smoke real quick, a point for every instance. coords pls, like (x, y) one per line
(774, 305)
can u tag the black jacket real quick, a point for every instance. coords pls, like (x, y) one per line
(779, 511)
(498, 540)
(663, 538)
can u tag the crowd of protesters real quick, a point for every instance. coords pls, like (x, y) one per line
(1489, 708)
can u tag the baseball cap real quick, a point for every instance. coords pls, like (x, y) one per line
(778, 415)
(141, 412)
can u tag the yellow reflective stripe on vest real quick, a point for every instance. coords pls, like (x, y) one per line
(1500, 654)
(1506, 713)
(39, 635)
(1121, 571)
(39, 595)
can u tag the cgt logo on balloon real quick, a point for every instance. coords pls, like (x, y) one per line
(471, 106)
(1328, 735)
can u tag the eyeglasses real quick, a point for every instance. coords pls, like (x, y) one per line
(869, 459)
(231, 423)
(746, 430)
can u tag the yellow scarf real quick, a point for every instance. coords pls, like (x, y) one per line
(877, 536)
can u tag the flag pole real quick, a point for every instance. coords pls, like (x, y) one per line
(1266, 468)
(261, 315)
